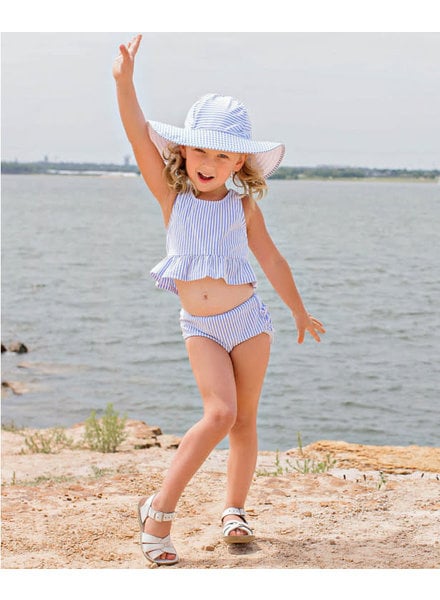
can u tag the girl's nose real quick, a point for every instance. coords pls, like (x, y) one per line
(207, 161)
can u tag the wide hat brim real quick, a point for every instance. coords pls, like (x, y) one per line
(266, 157)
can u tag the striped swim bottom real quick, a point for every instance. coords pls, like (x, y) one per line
(230, 328)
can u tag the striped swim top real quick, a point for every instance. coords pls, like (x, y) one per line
(205, 239)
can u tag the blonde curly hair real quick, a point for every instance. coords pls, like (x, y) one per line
(248, 178)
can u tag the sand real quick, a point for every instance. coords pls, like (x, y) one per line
(377, 507)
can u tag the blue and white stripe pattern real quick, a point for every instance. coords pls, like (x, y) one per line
(205, 239)
(232, 327)
(219, 123)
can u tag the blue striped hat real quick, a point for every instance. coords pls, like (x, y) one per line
(219, 123)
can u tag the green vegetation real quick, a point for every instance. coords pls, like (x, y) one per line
(10, 426)
(333, 172)
(104, 435)
(60, 168)
(318, 172)
(99, 472)
(41, 479)
(107, 433)
(382, 480)
(304, 465)
(48, 442)
(308, 465)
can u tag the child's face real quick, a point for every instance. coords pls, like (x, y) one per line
(209, 170)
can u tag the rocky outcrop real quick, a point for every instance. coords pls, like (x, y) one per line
(17, 347)
(389, 459)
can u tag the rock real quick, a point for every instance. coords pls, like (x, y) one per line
(141, 436)
(168, 441)
(148, 443)
(140, 430)
(18, 347)
(15, 386)
(389, 459)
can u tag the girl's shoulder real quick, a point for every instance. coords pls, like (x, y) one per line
(249, 207)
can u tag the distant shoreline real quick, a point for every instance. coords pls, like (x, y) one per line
(318, 173)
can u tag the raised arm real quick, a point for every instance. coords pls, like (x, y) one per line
(149, 161)
(278, 272)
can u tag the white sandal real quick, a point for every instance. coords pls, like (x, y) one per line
(151, 545)
(233, 525)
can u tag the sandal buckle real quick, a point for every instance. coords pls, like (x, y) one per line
(159, 515)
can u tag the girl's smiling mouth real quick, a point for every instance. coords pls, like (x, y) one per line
(204, 177)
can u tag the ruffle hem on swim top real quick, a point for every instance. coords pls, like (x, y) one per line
(233, 270)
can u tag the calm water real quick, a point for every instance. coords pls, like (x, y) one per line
(76, 252)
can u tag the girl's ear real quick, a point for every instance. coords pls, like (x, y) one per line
(183, 151)
(240, 162)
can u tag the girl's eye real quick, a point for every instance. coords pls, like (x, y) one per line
(223, 156)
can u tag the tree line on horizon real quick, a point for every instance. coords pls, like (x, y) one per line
(320, 171)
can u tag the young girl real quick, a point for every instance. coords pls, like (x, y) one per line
(226, 327)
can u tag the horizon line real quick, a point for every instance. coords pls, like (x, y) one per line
(298, 166)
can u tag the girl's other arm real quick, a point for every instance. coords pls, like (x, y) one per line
(278, 272)
(149, 161)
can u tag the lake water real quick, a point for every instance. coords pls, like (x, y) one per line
(76, 254)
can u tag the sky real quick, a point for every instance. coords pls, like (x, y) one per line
(338, 98)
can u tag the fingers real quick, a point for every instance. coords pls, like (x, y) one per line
(130, 49)
(123, 50)
(313, 333)
(135, 40)
(315, 321)
(133, 45)
(315, 327)
(311, 330)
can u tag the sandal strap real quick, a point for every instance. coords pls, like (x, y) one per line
(155, 546)
(233, 525)
(235, 511)
(147, 511)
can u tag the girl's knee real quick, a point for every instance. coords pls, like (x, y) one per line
(221, 416)
(245, 424)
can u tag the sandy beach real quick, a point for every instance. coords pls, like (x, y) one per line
(377, 507)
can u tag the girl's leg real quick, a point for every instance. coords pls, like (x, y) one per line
(214, 374)
(250, 360)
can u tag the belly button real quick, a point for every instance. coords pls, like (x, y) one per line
(205, 296)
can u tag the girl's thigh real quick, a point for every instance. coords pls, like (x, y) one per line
(213, 370)
(250, 360)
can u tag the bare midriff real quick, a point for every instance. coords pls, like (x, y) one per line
(207, 296)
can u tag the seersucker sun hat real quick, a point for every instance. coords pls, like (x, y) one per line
(219, 122)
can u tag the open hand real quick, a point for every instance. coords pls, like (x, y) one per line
(123, 64)
(306, 322)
